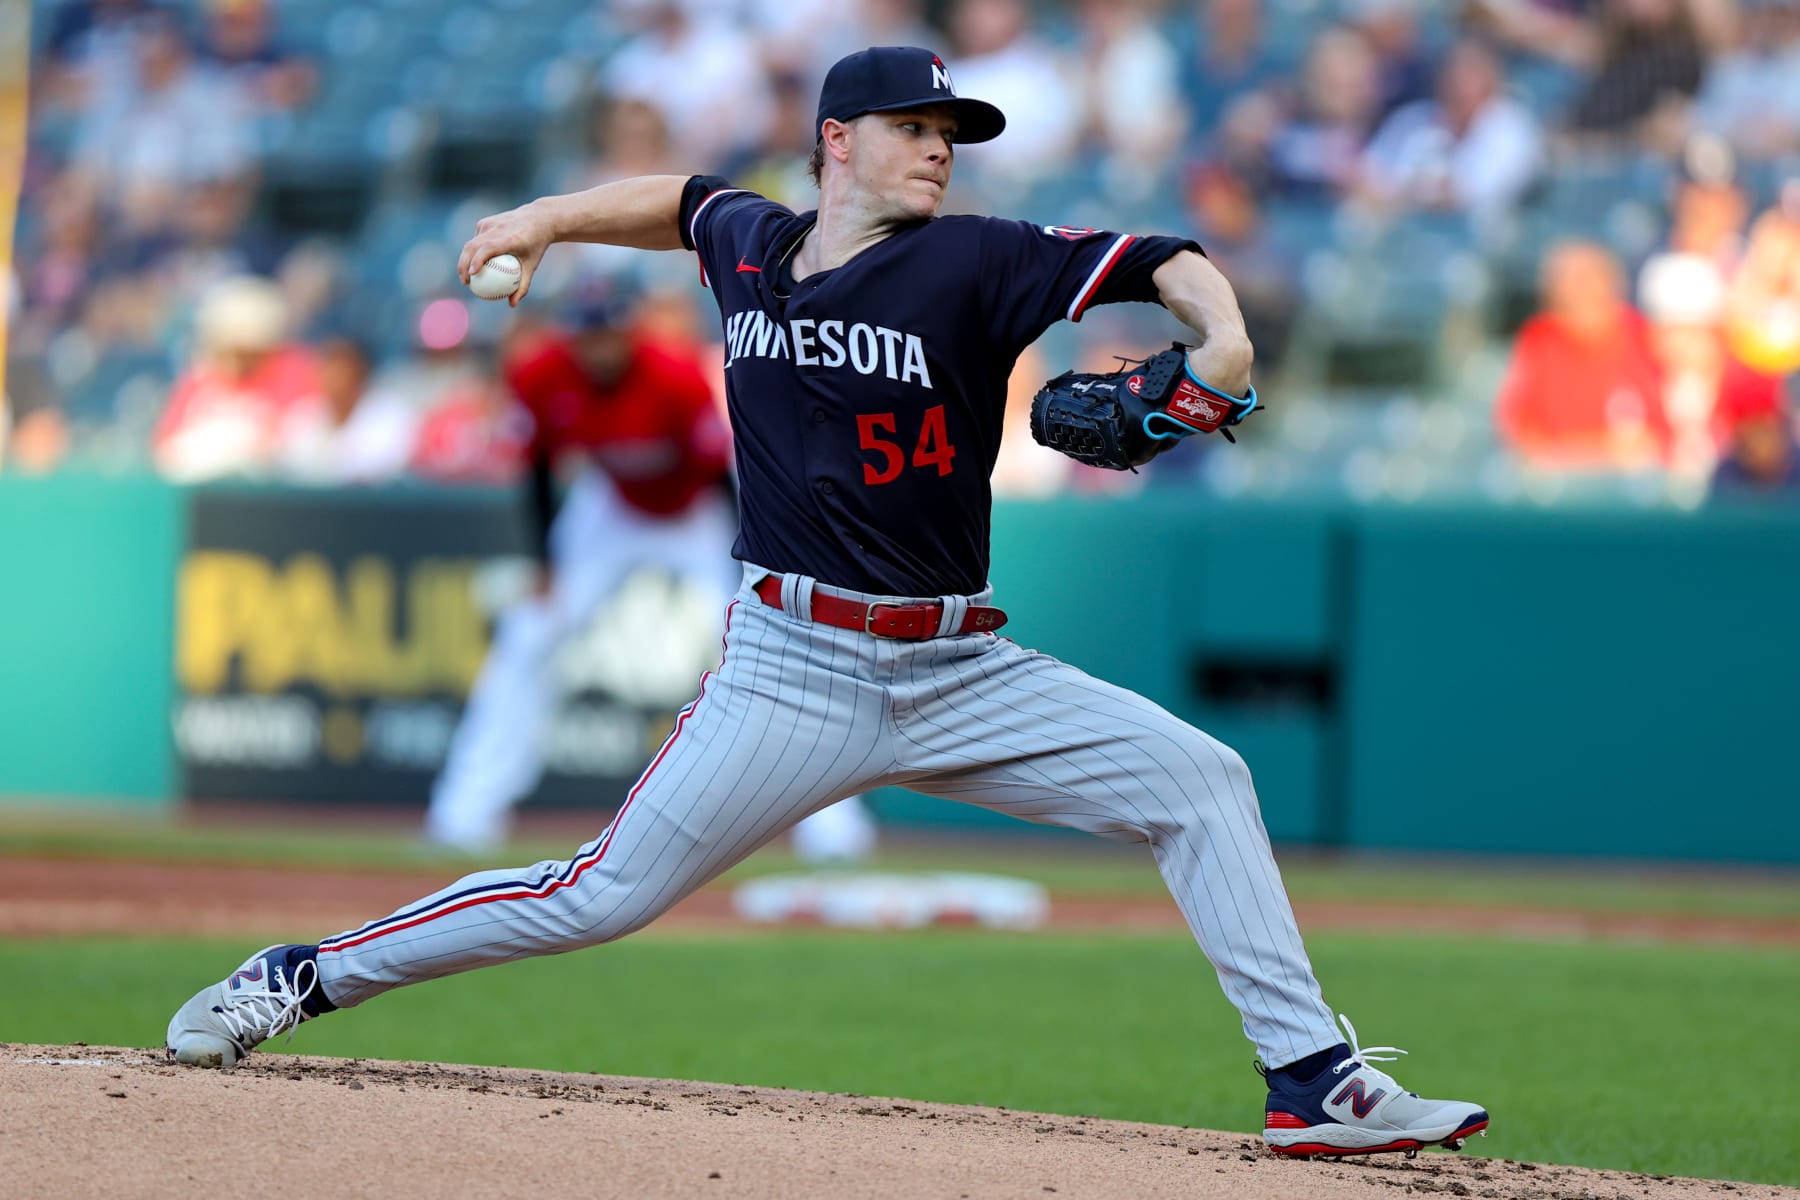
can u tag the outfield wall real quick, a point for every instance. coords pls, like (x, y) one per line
(87, 587)
(1544, 682)
(1531, 681)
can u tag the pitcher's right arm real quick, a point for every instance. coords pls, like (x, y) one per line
(643, 212)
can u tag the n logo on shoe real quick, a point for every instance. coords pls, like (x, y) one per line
(1360, 1104)
(246, 975)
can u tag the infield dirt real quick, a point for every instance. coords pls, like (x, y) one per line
(79, 1121)
(54, 897)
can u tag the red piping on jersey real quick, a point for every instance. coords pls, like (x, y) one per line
(1092, 286)
(558, 884)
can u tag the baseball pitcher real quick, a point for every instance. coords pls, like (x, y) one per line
(869, 344)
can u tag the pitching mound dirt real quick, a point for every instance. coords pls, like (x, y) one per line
(102, 1121)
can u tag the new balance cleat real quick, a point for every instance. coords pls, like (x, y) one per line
(221, 1025)
(1355, 1108)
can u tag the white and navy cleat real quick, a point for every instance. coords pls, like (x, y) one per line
(1352, 1107)
(224, 1022)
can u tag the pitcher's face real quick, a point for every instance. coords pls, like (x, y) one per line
(904, 158)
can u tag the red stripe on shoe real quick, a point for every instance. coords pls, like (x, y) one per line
(1283, 1120)
(1310, 1148)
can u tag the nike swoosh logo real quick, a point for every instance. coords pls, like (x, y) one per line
(745, 266)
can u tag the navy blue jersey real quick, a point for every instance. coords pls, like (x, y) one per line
(866, 401)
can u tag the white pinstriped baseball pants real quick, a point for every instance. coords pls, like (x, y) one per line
(798, 715)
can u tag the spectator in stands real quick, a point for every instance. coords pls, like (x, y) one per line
(213, 237)
(699, 71)
(1762, 460)
(1311, 141)
(1751, 96)
(152, 283)
(1471, 149)
(880, 23)
(1643, 59)
(778, 169)
(123, 306)
(1571, 31)
(469, 431)
(626, 137)
(239, 42)
(788, 34)
(1130, 85)
(1229, 57)
(999, 58)
(1713, 365)
(175, 126)
(1762, 319)
(34, 431)
(26, 388)
(1581, 391)
(227, 409)
(55, 276)
(349, 433)
(803, 38)
(1406, 70)
(314, 279)
(1709, 208)
(92, 47)
(472, 437)
(1683, 297)
(1682, 289)
(1263, 270)
(1648, 67)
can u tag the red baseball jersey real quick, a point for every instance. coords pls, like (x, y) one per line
(656, 430)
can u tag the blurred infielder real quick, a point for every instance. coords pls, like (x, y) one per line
(869, 348)
(654, 491)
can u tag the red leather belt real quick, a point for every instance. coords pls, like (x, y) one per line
(911, 622)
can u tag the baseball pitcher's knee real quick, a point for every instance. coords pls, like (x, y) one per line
(615, 901)
(1233, 766)
(1214, 780)
(610, 917)
(1231, 785)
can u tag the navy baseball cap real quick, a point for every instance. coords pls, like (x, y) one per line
(883, 78)
(605, 303)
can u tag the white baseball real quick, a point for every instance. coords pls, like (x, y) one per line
(497, 279)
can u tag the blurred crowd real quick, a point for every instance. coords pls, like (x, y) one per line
(1520, 246)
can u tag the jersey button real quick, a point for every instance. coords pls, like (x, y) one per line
(818, 416)
(828, 487)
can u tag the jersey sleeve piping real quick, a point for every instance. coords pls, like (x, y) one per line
(694, 222)
(1098, 276)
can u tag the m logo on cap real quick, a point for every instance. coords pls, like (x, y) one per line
(940, 75)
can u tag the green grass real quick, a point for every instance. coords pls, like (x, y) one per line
(1068, 865)
(1588, 1054)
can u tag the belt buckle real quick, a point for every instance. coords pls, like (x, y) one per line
(869, 618)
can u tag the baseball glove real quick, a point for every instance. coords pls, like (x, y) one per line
(1122, 419)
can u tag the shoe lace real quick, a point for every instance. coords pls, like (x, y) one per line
(1360, 1057)
(265, 1014)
